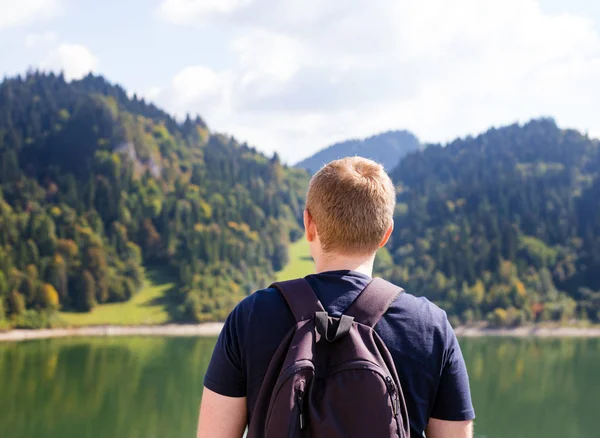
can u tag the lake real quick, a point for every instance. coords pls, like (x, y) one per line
(151, 387)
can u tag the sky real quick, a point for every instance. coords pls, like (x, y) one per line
(296, 76)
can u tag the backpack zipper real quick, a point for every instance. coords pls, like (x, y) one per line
(300, 402)
(393, 394)
(290, 371)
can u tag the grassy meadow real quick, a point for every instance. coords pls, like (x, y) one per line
(151, 306)
(300, 263)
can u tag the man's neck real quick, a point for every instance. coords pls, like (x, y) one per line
(364, 265)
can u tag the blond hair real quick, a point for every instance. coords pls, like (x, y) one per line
(352, 204)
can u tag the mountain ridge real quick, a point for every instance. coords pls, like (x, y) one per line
(386, 148)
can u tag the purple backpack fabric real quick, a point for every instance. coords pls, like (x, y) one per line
(332, 377)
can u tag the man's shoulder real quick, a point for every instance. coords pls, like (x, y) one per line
(262, 303)
(268, 296)
(419, 315)
(420, 306)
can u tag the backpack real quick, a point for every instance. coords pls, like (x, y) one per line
(332, 377)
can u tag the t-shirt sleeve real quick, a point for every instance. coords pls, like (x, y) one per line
(225, 374)
(453, 400)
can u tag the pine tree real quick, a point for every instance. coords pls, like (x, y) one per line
(87, 292)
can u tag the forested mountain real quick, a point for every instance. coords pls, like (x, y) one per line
(387, 148)
(94, 184)
(503, 227)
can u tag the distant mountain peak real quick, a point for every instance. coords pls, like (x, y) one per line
(386, 148)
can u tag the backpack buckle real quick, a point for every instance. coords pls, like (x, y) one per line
(332, 329)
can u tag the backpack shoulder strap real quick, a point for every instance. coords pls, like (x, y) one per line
(300, 297)
(373, 302)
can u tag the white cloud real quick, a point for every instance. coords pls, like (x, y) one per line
(75, 60)
(273, 55)
(196, 89)
(22, 12)
(152, 93)
(197, 11)
(309, 73)
(45, 39)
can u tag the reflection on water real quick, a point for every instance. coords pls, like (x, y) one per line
(151, 387)
(102, 387)
(535, 387)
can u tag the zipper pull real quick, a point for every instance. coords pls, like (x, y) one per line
(301, 409)
(393, 393)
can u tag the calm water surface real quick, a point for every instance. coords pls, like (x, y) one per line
(151, 387)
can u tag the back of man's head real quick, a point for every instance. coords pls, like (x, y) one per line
(351, 202)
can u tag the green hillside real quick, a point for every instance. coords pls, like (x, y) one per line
(503, 227)
(95, 184)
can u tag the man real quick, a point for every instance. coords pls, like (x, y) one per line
(348, 217)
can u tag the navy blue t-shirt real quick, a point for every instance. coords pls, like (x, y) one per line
(417, 333)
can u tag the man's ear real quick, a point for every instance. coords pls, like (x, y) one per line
(310, 228)
(387, 235)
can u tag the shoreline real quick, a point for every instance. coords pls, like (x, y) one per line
(214, 328)
(176, 330)
(532, 331)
